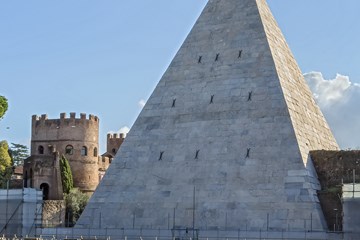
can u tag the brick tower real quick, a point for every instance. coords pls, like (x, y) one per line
(76, 139)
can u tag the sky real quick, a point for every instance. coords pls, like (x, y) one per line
(106, 57)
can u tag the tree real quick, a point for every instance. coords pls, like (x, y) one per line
(66, 175)
(18, 153)
(3, 106)
(75, 204)
(5, 164)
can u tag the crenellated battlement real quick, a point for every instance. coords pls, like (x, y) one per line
(116, 136)
(63, 117)
(83, 129)
(114, 141)
(43, 120)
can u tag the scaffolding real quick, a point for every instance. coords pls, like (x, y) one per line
(20, 211)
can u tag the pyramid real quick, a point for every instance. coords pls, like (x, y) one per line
(223, 142)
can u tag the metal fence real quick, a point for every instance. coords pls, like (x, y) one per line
(187, 234)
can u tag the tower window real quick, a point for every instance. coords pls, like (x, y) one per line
(69, 150)
(113, 150)
(200, 58)
(84, 151)
(240, 53)
(95, 152)
(217, 57)
(41, 149)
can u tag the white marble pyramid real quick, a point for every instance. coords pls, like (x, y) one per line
(224, 140)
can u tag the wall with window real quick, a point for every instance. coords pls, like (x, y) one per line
(43, 173)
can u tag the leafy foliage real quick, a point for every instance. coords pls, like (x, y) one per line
(75, 204)
(66, 175)
(3, 106)
(18, 153)
(5, 163)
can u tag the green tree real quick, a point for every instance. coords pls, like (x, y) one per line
(66, 175)
(18, 153)
(5, 163)
(75, 204)
(3, 106)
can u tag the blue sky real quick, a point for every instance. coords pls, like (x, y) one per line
(105, 57)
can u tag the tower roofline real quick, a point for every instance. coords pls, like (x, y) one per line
(116, 136)
(63, 116)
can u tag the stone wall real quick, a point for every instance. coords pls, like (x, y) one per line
(43, 172)
(60, 131)
(53, 214)
(299, 99)
(352, 216)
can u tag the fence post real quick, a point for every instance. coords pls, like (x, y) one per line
(260, 234)
(354, 179)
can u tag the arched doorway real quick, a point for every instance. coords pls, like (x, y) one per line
(45, 189)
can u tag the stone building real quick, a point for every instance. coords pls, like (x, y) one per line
(224, 140)
(113, 144)
(75, 138)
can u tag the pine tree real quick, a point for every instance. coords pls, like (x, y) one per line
(18, 153)
(66, 175)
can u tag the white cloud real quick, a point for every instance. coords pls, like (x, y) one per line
(141, 103)
(330, 92)
(339, 100)
(124, 129)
